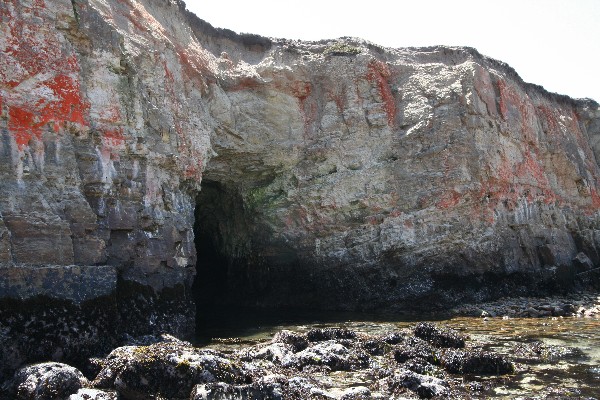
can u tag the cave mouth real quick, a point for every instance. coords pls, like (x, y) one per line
(242, 274)
(223, 289)
(214, 214)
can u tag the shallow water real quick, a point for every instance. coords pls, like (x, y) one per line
(574, 371)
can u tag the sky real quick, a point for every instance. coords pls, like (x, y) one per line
(553, 43)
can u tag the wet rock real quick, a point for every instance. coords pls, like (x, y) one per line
(393, 338)
(414, 348)
(147, 340)
(439, 337)
(420, 366)
(375, 347)
(333, 355)
(298, 342)
(424, 386)
(278, 353)
(170, 369)
(476, 362)
(538, 351)
(224, 391)
(94, 394)
(582, 263)
(356, 393)
(317, 335)
(46, 381)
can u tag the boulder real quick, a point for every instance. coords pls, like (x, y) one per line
(46, 381)
(170, 369)
(476, 362)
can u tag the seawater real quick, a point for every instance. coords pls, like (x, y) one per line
(577, 371)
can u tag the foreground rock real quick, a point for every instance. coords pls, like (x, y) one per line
(94, 394)
(46, 381)
(169, 369)
(425, 360)
(413, 363)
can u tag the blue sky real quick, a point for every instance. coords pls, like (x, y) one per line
(553, 43)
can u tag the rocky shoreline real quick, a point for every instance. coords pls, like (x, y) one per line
(425, 360)
(574, 305)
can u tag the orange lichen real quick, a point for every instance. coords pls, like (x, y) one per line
(35, 54)
(379, 74)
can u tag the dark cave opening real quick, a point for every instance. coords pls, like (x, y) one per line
(241, 274)
(221, 287)
(212, 265)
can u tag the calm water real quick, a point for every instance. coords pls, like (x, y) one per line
(577, 370)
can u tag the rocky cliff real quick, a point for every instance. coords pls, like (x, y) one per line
(333, 174)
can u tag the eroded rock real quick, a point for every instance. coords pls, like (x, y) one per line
(170, 369)
(476, 362)
(46, 381)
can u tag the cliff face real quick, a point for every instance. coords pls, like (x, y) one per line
(334, 174)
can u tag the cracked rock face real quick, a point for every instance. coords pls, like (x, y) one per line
(332, 174)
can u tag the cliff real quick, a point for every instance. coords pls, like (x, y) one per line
(332, 174)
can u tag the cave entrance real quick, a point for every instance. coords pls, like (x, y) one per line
(212, 263)
(243, 277)
(222, 239)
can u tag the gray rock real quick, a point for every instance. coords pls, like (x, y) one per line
(94, 394)
(46, 381)
(223, 391)
(331, 354)
(582, 263)
(425, 386)
(356, 393)
(170, 369)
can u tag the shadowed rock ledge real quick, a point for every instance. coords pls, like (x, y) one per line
(333, 174)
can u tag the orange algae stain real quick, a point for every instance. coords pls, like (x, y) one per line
(595, 200)
(379, 74)
(69, 106)
(549, 117)
(246, 83)
(449, 200)
(26, 121)
(113, 137)
(33, 52)
(21, 124)
(193, 170)
(502, 99)
(301, 90)
(511, 100)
